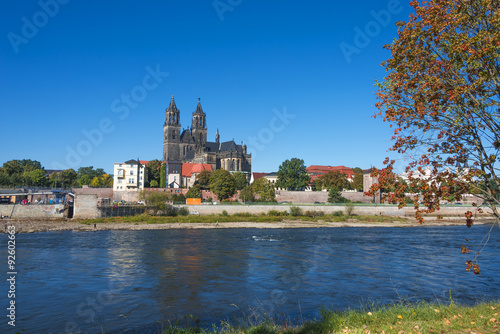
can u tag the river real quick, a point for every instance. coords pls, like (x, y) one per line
(136, 281)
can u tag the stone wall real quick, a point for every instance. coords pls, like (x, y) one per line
(329, 209)
(85, 206)
(99, 192)
(318, 196)
(32, 211)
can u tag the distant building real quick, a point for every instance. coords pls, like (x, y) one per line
(189, 172)
(191, 146)
(129, 175)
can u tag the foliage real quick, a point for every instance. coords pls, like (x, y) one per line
(334, 196)
(332, 179)
(64, 179)
(163, 175)
(247, 194)
(240, 180)
(203, 179)
(349, 208)
(194, 192)
(153, 172)
(292, 175)
(224, 213)
(22, 172)
(222, 184)
(264, 189)
(442, 95)
(153, 184)
(183, 211)
(179, 198)
(85, 175)
(357, 181)
(296, 211)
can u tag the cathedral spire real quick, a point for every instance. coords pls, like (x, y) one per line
(217, 136)
(199, 110)
(172, 106)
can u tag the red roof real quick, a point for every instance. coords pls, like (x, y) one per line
(317, 170)
(257, 176)
(189, 168)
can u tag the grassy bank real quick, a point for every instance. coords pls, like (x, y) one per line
(401, 318)
(271, 216)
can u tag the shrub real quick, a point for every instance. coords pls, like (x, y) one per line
(295, 211)
(224, 213)
(338, 214)
(183, 211)
(349, 209)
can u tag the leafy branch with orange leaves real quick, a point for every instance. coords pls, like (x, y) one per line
(442, 97)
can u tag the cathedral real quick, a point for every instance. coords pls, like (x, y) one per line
(191, 145)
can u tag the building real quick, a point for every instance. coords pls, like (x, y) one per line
(316, 171)
(129, 175)
(190, 170)
(190, 145)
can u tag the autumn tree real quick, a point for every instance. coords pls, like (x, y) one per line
(442, 97)
(292, 175)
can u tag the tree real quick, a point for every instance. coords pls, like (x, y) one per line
(442, 95)
(264, 189)
(35, 177)
(222, 184)
(203, 179)
(153, 171)
(153, 184)
(85, 175)
(65, 178)
(332, 179)
(240, 180)
(247, 194)
(194, 192)
(335, 196)
(357, 181)
(292, 175)
(163, 176)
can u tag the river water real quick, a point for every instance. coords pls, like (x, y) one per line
(135, 281)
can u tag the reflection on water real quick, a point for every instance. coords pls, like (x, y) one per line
(137, 280)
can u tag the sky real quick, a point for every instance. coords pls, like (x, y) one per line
(87, 83)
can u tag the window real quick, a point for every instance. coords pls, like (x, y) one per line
(119, 180)
(119, 165)
(132, 165)
(131, 172)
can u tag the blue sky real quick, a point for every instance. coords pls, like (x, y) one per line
(87, 83)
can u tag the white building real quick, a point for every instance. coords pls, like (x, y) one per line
(129, 176)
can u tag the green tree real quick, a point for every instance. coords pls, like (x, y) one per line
(153, 184)
(332, 179)
(264, 189)
(194, 192)
(85, 175)
(35, 177)
(240, 180)
(153, 171)
(335, 196)
(292, 175)
(222, 184)
(163, 176)
(203, 179)
(64, 179)
(357, 181)
(247, 194)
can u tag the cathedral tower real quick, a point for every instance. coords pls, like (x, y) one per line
(171, 133)
(199, 127)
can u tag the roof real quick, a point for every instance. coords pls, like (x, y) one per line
(188, 168)
(318, 170)
(257, 176)
(199, 110)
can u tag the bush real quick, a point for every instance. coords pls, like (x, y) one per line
(334, 196)
(295, 211)
(277, 213)
(183, 211)
(224, 213)
(349, 209)
(314, 213)
(338, 214)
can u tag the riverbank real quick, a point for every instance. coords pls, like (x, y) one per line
(159, 223)
(400, 318)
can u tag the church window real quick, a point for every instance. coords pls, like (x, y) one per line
(173, 134)
(170, 118)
